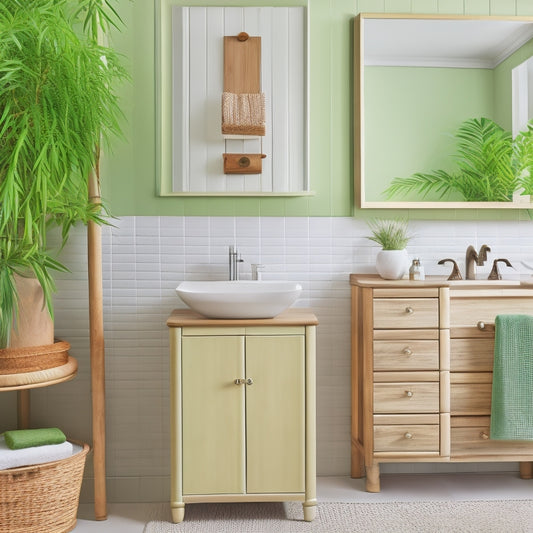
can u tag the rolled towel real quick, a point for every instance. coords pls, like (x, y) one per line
(33, 456)
(27, 438)
(243, 114)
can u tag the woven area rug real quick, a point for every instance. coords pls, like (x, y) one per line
(504, 516)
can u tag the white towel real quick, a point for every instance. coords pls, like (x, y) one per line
(34, 455)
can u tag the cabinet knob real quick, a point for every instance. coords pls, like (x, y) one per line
(481, 325)
(242, 381)
(409, 310)
(408, 435)
(409, 393)
(483, 435)
(407, 351)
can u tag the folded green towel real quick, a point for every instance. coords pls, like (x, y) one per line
(26, 438)
(512, 379)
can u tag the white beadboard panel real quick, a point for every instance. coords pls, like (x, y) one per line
(197, 86)
(180, 99)
(145, 259)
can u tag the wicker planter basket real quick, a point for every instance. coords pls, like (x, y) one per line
(42, 498)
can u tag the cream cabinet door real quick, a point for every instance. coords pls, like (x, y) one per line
(213, 415)
(275, 414)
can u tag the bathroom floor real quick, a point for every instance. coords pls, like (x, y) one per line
(131, 518)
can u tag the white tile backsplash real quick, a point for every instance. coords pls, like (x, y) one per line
(145, 258)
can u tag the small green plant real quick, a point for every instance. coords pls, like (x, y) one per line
(491, 166)
(389, 234)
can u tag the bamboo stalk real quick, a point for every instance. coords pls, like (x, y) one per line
(96, 327)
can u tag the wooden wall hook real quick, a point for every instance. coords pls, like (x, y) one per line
(243, 36)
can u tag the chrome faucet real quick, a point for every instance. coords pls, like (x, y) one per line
(234, 260)
(473, 258)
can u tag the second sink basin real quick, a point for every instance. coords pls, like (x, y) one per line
(239, 299)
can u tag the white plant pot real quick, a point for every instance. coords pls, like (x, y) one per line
(392, 264)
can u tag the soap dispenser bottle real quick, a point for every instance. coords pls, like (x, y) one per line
(416, 271)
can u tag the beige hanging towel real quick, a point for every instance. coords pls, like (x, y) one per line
(243, 114)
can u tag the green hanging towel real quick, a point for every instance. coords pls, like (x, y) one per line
(512, 380)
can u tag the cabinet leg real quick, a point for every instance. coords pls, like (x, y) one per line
(358, 468)
(178, 512)
(526, 470)
(372, 478)
(309, 510)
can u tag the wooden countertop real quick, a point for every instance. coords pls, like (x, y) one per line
(294, 316)
(375, 281)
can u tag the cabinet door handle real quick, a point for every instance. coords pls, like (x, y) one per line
(409, 393)
(242, 381)
(407, 351)
(483, 435)
(408, 435)
(409, 310)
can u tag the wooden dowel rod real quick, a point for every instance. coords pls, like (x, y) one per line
(96, 327)
(23, 409)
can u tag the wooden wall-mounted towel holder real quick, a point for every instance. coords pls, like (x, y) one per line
(243, 163)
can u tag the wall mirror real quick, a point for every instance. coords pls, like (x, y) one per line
(439, 106)
(199, 55)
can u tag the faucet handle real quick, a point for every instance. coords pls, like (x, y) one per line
(256, 271)
(495, 273)
(456, 273)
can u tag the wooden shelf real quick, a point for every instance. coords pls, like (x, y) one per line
(39, 378)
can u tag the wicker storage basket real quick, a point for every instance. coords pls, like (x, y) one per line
(42, 498)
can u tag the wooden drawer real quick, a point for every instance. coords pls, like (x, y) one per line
(470, 398)
(471, 355)
(471, 436)
(405, 313)
(406, 438)
(406, 397)
(406, 355)
(467, 312)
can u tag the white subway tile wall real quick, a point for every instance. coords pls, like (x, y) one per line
(145, 258)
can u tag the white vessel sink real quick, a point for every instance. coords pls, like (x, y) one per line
(239, 299)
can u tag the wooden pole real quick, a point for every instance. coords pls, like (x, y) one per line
(96, 327)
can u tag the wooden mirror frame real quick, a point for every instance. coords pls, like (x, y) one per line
(359, 124)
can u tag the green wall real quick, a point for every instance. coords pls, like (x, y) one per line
(128, 175)
(413, 112)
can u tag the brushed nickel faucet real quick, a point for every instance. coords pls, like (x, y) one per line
(234, 260)
(474, 258)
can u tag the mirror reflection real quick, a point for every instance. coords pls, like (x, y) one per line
(426, 87)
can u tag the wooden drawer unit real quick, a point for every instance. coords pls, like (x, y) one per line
(406, 313)
(422, 359)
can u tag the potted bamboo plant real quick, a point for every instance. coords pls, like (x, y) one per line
(57, 105)
(392, 261)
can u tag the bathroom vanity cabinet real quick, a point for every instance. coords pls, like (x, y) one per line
(243, 409)
(422, 357)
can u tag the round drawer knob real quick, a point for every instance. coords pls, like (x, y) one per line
(481, 326)
(249, 381)
(483, 435)
(407, 351)
(409, 310)
(409, 393)
(408, 435)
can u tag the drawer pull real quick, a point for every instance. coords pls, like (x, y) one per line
(409, 310)
(483, 435)
(407, 351)
(481, 326)
(409, 393)
(408, 435)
